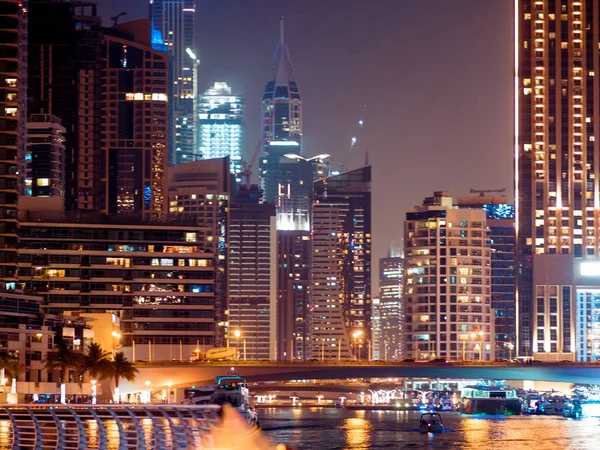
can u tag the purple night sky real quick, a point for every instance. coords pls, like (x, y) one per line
(436, 76)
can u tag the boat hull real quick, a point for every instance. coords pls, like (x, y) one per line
(492, 405)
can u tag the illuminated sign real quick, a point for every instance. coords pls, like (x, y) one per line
(590, 269)
(284, 143)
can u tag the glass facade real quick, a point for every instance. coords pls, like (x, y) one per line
(221, 119)
(390, 307)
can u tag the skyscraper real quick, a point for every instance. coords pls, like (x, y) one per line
(64, 68)
(173, 24)
(221, 122)
(253, 275)
(557, 178)
(341, 266)
(447, 301)
(13, 119)
(135, 126)
(501, 233)
(281, 122)
(390, 307)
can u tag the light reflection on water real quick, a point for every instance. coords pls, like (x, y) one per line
(329, 428)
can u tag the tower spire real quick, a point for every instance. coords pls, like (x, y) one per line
(281, 42)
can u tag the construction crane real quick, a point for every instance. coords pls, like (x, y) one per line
(246, 172)
(115, 19)
(483, 192)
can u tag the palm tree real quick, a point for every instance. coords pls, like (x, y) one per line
(63, 358)
(121, 368)
(12, 370)
(97, 363)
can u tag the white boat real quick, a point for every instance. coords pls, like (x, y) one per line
(229, 389)
(431, 423)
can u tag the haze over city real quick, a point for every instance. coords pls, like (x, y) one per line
(436, 76)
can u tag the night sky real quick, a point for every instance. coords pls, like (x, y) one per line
(436, 76)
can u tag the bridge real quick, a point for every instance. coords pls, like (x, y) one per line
(182, 375)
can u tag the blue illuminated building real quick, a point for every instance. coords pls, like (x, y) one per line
(501, 225)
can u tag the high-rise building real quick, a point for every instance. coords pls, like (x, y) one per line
(281, 124)
(253, 275)
(45, 157)
(221, 124)
(376, 329)
(135, 124)
(173, 26)
(13, 120)
(293, 295)
(341, 266)
(199, 193)
(557, 177)
(64, 69)
(447, 295)
(500, 217)
(158, 279)
(390, 307)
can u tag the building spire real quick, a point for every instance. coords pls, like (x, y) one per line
(281, 41)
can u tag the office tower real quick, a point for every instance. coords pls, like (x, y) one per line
(173, 25)
(557, 177)
(135, 119)
(341, 266)
(281, 123)
(13, 119)
(199, 193)
(253, 276)
(447, 297)
(64, 70)
(293, 295)
(390, 307)
(376, 329)
(500, 218)
(45, 156)
(221, 124)
(157, 279)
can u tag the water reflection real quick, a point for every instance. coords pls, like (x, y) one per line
(357, 432)
(6, 434)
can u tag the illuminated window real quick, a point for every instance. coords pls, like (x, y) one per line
(12, 82)
(11, 112)
(43, 182)
(190, 237)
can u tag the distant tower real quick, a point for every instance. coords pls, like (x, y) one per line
(281, 121)
(173, 21)
(221, 119)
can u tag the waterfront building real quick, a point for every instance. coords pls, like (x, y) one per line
(447, 283)
(44, 159)
(199, 193)
(158, 279)
(135, 127)
(390, 307)
(293, 294)
(253, 276)
(221, 125)
(500, 219)
(557, 175)
(173, 28)
(341, 266)
(65, 48)
(13, 119)
(281, 124)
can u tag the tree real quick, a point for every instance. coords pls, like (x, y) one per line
(97, 363)
(63, 358)
(122, 368)
(12, 368)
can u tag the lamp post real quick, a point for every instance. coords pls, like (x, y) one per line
(94, 392)
(463, 338)
(148, 393)
(510, 346)
(237, 334)
(356, 335)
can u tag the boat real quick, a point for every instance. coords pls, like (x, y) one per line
(431, 423)
(445, 404)
(230, 389)
(490, 400)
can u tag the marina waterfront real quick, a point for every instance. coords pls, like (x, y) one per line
(332, 428)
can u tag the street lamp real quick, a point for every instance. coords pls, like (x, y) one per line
(148, 393)
(510, 346)
(356, 335)
(94, 392)
(237, 334)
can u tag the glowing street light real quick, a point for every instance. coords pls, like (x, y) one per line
(148, 393)
(94, 391)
